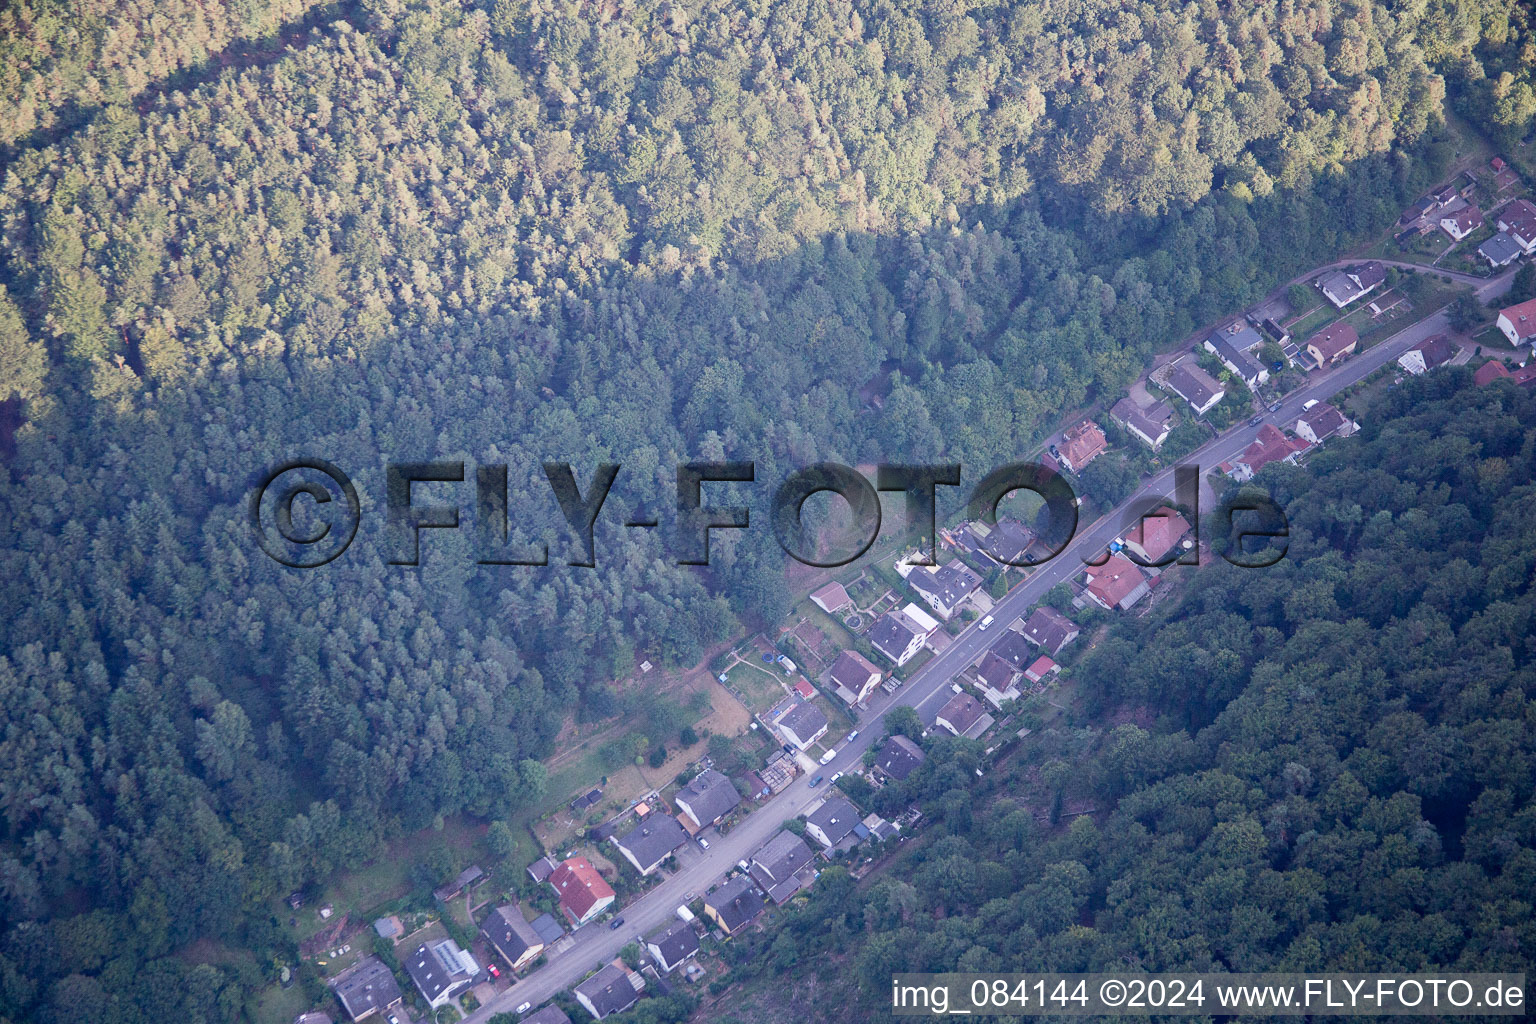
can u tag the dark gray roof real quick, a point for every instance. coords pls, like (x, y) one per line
(949, 584)
(432, 973)
(653, 839)
(468, 878)
(708, 797)
(1230, 345)
(1014, 649)
(1008, 541)
(541, 869)
(370, 986)
(835, 818)
(1151, 421)
(1191, 383)
(890, 635)
(609, 991)
(1049, 629)
(851, 671)
(509, 932)
(900, 757)
(674, 943)
(962, 712)
(548, 928)
(1436, 350)
(1500, 248)
(804, 718)
(781, 856)
(550, 1014)
(995, 671)
(735, 903)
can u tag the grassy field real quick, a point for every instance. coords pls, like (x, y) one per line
(761, 688)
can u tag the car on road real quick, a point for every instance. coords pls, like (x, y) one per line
(1274, 407)
(853, 736)
(1256, 421)
(828, 756)
(524, 1007)
(1309, 403)
(816, 782)
(616, 924)
(835, 777)
(985, 623)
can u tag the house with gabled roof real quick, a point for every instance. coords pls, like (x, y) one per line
(897, 637)
(831, 598)
(511, 935)
(652, 841)
(672, 945)
(1332, 343)
(1082, 444)
(1118, 583)
(1049, 630)
(1186, 379)
(1320, 421)
(366, 989)
(899, 757)
(782, 867)
(1341, 287)
(832, 822)
(853, 677)
(1231, 345)
(708, 798)
(1518, 323)
(963, 715)
(1151, 424)
(734, 905)
(582, 891)
(441, 970)
(1500, 251)
(945, 587)
(1270, 446)
(1518, 221)
(611, 990)
(996, 677)
(1461, 223)
(1153, 537)
(802, 723)
(1426, 355)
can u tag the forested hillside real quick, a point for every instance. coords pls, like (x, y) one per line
(1337, 769)
(529, 231)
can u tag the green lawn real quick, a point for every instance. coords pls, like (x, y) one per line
(759, 688)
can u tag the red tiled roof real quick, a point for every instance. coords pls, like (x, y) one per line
(1490, 372)
(1156, 534)
(1082, 444)
(803, 688)
(1113, 581)
(1271, 446)
(580, 887)
(1038, 670)
(1522, 317)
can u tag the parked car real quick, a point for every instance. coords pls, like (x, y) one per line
(816, 782)
(853, 736)
(985, 623)
(788, 749)
(1274, 407)
(836, 776)
(493, 970)
(1256, 421)
(616, 923)
(524, 1007)
(703, 843)
(1055, 452)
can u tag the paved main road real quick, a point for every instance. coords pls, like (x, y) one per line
(929, 688)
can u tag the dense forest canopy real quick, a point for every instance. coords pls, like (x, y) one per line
(1335, 766)
(587, 232)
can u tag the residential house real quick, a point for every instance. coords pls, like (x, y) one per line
(1341, 287)
(611, 990)
(441, 971)
(1518, 322)
(963, 715)
(652, 841)
(1154, 537)
(833, 821)
(927, 625)
(853, 677)
(1007, 542)
(582, 891)
(1495, 369)
(1187, 380)
(944, 587)
(897, 637)
(1518, 220)
(1151, 425)
(1118, 583)
(1082, 444)
(996, 676)
(734, 905)
(1042, 667)
(782, 866)
(1422, 208)
(1322, 421)
(1049, 630)
(802, 724)
(1332, 343)
(366, 989)
(1427, 354)
(832, 598)
(1461, 223)
(510, 935)
(1501, 250)
(1270, 446)
(1014, 649)
(541, 869)
(673, 945)
(879, 827)
(1232, 345)
(550, 1014)
(1446, 194)
(708, 798)
(899, 757)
